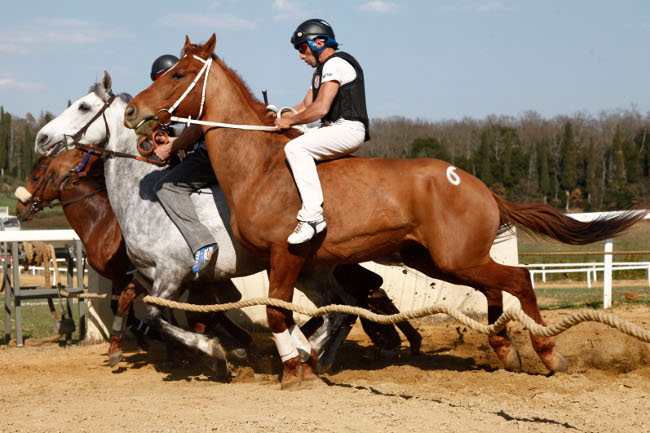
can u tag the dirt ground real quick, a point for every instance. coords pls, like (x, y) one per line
(455, 385)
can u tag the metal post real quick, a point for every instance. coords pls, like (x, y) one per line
(17, 309)
(80, 285)
(607, 277)
(8, 289)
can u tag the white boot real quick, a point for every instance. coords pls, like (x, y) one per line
(305, 230)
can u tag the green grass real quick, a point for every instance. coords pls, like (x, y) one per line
(36, 320)
(582, 297)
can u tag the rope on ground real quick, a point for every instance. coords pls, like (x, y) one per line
(608, 319)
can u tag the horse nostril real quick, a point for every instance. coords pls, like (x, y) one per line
(42, 138)
(130, 112)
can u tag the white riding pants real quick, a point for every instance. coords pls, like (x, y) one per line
(320, 144)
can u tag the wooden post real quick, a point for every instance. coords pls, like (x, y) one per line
(607, 287)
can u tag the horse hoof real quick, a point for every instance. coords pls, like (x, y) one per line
(512, 362)
(558, 364)
(216, 360)
(290, 384)
(237, 355)
(322, 367)
(115, 359)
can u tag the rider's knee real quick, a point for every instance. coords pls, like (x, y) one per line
(292, 148)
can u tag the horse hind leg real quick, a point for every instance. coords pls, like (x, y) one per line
(492, 277)
(418, 258)
(501, 343)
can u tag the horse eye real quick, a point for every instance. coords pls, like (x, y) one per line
(177, 76)
(84, 108)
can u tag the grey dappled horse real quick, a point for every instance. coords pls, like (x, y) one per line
(154, 244)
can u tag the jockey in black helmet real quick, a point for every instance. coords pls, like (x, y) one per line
(193, 173)
(337, 98)
(161, 65)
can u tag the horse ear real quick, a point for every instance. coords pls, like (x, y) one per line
(208, 48)
(188, 44)
(107, 83)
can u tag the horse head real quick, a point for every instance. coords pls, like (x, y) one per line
(153, 106)
(89, 120)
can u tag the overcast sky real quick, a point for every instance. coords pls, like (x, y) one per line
(429, 59)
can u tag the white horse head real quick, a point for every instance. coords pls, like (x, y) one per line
(59, 134)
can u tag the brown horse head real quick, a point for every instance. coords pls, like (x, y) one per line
(161, 94)
(50, 179)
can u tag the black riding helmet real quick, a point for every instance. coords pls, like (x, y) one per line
(312, 29)
(161, 65)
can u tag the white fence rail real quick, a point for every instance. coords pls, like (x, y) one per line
(607, 267)
(591, 269)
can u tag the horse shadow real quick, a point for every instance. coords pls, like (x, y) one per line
(354, 356)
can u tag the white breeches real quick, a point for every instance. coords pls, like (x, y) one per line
(319, 144)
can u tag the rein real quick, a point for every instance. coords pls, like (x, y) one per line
(189, 121)
(105, 153)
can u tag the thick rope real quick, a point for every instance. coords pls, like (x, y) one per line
(510, 315)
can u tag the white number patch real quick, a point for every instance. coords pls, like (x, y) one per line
(452, 177)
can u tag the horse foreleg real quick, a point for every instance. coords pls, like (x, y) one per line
(127, 296)
(210, 347)
(284, 272)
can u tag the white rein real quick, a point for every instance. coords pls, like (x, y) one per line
(188, 120)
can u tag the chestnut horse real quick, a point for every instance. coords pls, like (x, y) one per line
(77, 185)
(439, 219)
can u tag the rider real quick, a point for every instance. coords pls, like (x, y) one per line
(337, 98)
(193, 173)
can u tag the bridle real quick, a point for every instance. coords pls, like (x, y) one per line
(36, 202)
(99, 149)
(102, 112)
(189, 121)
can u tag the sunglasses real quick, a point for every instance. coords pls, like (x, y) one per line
(302, 49)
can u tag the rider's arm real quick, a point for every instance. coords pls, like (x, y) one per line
(188, 138)
(315, 110)
(309, 98)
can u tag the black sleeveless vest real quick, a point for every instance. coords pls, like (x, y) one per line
(350, 101)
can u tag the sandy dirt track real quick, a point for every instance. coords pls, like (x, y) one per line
(456, 385)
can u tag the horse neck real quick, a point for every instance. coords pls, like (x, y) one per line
(87, 213)
(239, 158)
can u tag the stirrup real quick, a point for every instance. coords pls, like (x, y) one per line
(305, 231)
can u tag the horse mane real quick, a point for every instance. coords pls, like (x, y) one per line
(258, 107)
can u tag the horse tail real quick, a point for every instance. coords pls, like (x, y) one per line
(539, 220)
